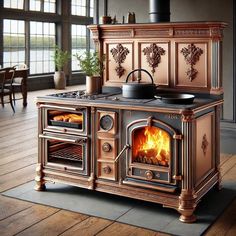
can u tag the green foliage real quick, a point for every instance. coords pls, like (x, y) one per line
(60, 58)
(90, 63)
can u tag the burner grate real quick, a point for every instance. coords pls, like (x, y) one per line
(73, 153)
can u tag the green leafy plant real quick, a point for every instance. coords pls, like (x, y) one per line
(90, 63)
(60, 58)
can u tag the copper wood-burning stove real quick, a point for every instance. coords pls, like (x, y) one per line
(141, 148)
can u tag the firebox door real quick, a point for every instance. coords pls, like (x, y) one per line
(151, 159)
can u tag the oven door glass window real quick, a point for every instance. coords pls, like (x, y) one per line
(66, 154)
(66, 119)
(151, 145)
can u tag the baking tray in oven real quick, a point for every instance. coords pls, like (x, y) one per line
(66, 124)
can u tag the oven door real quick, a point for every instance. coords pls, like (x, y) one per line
(151, 157)
(65, 153)
(65, 119)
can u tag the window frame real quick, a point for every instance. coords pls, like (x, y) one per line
(62, 18)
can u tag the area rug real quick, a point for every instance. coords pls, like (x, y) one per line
(125, 210)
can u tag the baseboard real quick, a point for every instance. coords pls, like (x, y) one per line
(228, 137)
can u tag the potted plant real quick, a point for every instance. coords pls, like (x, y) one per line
(60, 59)
(90, 63)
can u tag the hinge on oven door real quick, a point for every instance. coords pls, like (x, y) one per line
(178, 136)
(177, 177)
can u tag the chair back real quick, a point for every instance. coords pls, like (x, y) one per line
(2, 80)
(8, 75)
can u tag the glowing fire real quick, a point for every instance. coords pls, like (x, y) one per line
(151, 145)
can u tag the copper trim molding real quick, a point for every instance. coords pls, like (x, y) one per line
(119, 54)
(153, 55)
(191, 55)
(205, 144)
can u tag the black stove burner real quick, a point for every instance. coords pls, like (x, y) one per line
(81, 94)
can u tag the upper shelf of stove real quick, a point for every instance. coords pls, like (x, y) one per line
(208, 29)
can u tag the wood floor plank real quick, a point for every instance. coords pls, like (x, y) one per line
(20, 155)
(227, 165)
(117, 229)
(16, 178)
(88, 227)
(31, 134)
(55, 224)
(10, 206)
(18, 164)
(14, 149)
(24, 219)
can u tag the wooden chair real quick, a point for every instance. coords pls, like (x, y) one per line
(20, 81)
(6, 78)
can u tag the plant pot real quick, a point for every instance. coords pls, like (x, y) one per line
(93, 84)
(59, 80)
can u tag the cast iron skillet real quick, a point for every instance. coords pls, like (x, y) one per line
(176, 98)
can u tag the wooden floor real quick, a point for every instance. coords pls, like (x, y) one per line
(18, 157)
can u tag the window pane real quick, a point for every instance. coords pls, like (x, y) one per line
(50, 6)
(91, 8)
(42, 43)
(78, 7)
(78, 36)
(18, 4)
(35, 5)
(13, 42)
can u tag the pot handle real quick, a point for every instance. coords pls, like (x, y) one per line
(139, 70)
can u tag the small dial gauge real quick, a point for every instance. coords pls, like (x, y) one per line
(106, 122)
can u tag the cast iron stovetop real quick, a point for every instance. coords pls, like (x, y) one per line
(115, 97)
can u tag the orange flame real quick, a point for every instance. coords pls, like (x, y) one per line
(151, 145)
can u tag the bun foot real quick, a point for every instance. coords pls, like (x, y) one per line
(40, 187)
(188, 219)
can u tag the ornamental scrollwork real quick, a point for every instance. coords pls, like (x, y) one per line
(153, 55)
(191, 55)
(205, 144)
(119, 54)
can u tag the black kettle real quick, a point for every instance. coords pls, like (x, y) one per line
(138, 90)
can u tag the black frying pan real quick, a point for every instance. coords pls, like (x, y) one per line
(176, 98)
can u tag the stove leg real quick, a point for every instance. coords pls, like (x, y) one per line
(40, 182)
(187, 206)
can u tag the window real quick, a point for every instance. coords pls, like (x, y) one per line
(91, 8)
(78, 7)
(35, 5)
(42, 43)
(18, 4)
(78, 45)
(32, 41)
(46, 5)
(50, 6)
(13, 42)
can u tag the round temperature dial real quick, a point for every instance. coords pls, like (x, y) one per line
(106, 122)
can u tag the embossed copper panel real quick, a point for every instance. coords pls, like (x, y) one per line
(204, 129)
(191, 64)
(158, 64)
(119, 62)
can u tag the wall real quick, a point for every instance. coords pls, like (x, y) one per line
(197, 10)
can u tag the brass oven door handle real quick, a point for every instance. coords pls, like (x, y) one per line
(127, 146)
(79, 141)
(60, 107)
